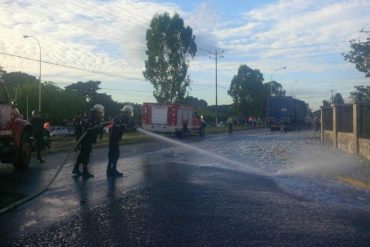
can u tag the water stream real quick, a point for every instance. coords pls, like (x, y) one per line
(232, 163)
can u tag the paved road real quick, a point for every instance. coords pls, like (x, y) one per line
(173, 196)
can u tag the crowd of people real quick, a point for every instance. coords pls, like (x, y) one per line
(87, 130)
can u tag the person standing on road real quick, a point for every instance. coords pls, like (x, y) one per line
(91, 126)
(230, 124)
(38, 132)
(118, 125)
(317, 123)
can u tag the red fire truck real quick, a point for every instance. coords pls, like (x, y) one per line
(15, 133)
(172, 118)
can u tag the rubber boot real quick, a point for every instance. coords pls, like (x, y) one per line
(76, 170)
(38, 159)
(114, 172)
(109, 170)
(86, 174)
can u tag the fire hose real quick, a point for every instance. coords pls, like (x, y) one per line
(34, 195)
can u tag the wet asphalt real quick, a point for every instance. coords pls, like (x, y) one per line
(169, 197)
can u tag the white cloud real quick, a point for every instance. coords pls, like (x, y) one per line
(109, 36)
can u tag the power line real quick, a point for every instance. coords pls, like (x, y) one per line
(107, 88)
(75, 68)
(203, 49)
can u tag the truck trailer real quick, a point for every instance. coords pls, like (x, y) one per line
(179, 119)
(286, 113)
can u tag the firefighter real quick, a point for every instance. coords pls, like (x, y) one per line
(77, 126)
(91, 126)
(118, 125)
(38, 132)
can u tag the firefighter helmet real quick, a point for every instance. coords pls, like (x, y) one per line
(129, 109)
(99, 108)
(35, 113)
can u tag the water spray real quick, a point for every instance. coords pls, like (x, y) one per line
(235, 164)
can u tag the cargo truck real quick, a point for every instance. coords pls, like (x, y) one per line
(286, 113)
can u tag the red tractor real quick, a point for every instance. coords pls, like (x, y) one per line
(15, 133)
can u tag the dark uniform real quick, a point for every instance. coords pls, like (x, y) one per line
(38, 133)
(116, 129)
(90, 129)
(77, 126)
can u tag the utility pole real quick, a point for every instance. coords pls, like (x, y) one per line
(271, 78)
(216, 55)
(38, 42)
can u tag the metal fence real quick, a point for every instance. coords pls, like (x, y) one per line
(327, 118)
(345, 118)
(364, 121)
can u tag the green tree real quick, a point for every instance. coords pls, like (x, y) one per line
(275, 88)
(2, 72)
(22, 86)
(60, 105)
(248, 92)
(169, 43)
(360, 55)
(194, 101)
(89, 92)
(361, 95)
(86, 89)
(15, 81)
(111, 107)
(326, 103)
(338, 99)
(18, 78)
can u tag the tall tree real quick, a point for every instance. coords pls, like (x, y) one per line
(275, 88)
(248, 92)
(111, 107)
(360, 55)
(326, 103)
(61, 105)
(361, 95)
(338, 99)
(2, 72)
(86, 89)
(194, 101)
(169, 43)
(17, 78)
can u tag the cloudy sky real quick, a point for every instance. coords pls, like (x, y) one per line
(305, 36)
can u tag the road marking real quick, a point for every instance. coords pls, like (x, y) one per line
(354, 182)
